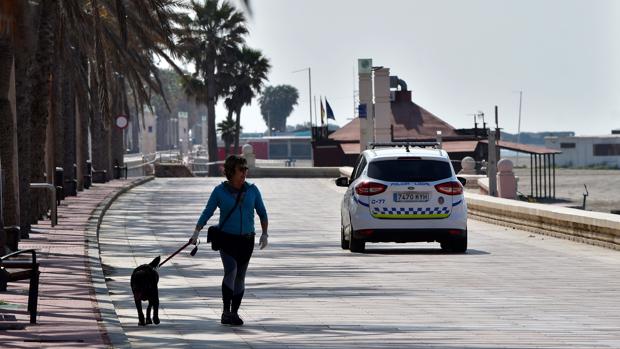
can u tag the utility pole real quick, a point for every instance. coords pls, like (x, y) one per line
(519, 124)
(316, 122)
(309, 90)
(492, 164)
(493, 158)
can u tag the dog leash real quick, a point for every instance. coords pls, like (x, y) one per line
(174, 254)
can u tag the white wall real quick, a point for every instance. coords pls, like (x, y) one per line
(583, 153)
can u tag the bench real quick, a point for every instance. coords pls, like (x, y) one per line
(12, 270)
(289, 163)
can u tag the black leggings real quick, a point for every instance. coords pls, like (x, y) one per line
(235, 251)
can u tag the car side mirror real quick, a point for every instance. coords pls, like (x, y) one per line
(462, 180)
(342, 181)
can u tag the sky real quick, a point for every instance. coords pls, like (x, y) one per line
(458, 57)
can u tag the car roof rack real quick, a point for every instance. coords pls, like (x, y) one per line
(407, 145)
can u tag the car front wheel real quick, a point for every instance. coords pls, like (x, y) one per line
(343, 243)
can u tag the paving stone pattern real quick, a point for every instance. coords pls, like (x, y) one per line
(68, 312)
(513, 289)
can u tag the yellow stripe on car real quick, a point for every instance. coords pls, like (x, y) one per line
(422, 216)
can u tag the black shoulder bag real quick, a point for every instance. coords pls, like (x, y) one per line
(214, 233)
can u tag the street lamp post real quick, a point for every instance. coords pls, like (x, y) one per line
(309, 91)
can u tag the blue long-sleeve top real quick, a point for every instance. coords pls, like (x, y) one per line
(242, 219)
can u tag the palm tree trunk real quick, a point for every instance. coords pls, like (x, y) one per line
(135, 131)
(2, 232)
(117, 144)
(81, 140)
(69, 159)
(99, 144)
(40, 76)
(237, 130)
(24, 42)
(99, 137)
(8, 136)
(211, 101)
(58, 130)
(227, 141)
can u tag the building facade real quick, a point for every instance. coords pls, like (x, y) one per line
(586, 151)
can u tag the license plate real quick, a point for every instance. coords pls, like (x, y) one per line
(411, 196)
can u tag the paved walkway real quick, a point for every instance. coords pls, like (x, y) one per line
(69, 315)
(513, 289)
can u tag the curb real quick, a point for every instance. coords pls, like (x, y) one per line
(593, 228)
(114, 336)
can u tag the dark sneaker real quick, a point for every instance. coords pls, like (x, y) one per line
(226, 318)
(235, 320)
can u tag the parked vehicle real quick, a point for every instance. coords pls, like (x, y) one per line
(403, 192)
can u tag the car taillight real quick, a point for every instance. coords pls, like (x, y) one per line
(450, 188)
(370, 188)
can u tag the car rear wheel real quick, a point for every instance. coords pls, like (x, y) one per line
(456, 244)
(356, 245)
(459, 245)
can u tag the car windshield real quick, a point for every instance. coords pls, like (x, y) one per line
(409, 170)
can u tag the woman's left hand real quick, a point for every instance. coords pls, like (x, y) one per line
(264, 241)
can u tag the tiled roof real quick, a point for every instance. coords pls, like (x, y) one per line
(410, 122)
(350, 148)
(524, 148)
(459, 146)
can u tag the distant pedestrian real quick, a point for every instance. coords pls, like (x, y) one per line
(237, 237)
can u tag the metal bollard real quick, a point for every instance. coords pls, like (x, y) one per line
(59, 183)
(70, 188)
(88, 176)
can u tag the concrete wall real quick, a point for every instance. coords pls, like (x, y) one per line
(583, 152)
(596, 228)
(294, 172)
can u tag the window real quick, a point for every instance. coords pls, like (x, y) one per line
(301, 151)
(359, 168)
(278, 151)
(606, 149)
(409, 170)
(567, 145)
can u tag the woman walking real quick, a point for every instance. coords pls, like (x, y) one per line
(238, 200)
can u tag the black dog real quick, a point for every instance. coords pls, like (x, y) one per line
(144, 281)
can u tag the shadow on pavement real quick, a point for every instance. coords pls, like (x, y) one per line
(420, 251)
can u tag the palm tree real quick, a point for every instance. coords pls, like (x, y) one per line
(209, 41)
(276, 104)
(110, 43)
(227, 129)
(249, 74)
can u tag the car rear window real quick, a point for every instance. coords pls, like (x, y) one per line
(409, 170)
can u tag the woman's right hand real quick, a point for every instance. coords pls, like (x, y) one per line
(194, 239)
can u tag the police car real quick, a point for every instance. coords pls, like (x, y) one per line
(403, 192)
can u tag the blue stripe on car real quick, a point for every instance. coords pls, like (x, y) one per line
(360, 202)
